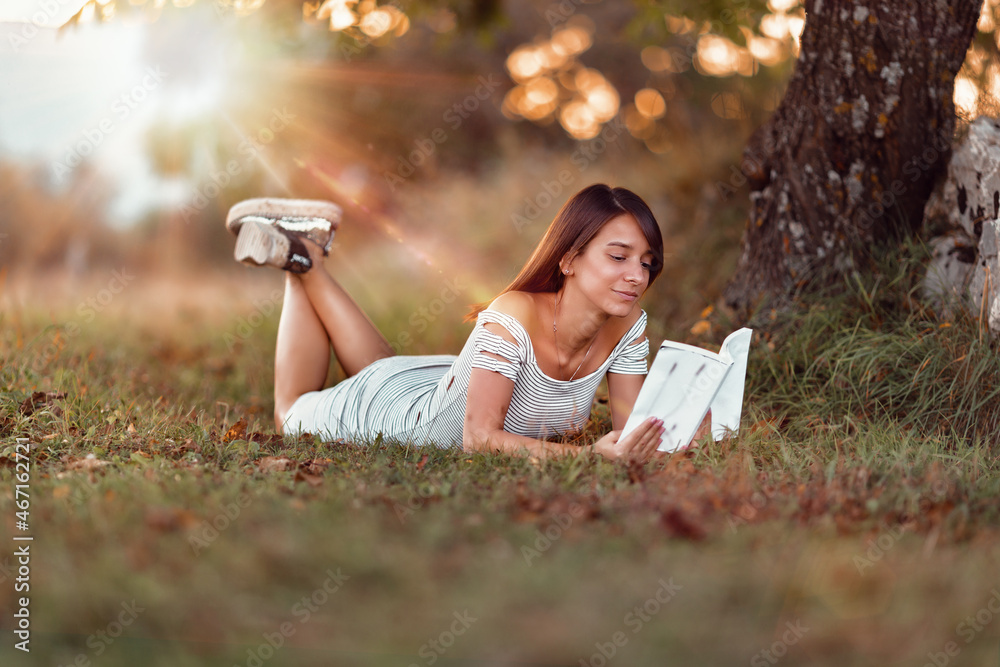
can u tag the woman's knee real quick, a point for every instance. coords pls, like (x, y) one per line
(281, 412)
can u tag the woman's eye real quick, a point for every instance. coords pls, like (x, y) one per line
(616, 258)
(647, 266)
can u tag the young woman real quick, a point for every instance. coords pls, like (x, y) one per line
(528, 371)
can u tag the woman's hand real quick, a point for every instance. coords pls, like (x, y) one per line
(639, 445)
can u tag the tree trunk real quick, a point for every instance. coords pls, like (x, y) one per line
(852, 153)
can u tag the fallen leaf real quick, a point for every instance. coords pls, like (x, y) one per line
(188, 445)
(275, 464)
(528, 505)
(423, 462)
(769, 423)
(40, 399)
(314, 467)
(636, 471)
(165, 519)
(237, 431)
(677, 524)
(264, 438)
(89, 462)
(311, 480)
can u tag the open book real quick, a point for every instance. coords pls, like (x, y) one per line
(685, 381)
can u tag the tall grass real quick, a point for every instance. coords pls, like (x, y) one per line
(871, 353)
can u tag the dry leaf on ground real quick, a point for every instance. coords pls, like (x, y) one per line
(237, 431)
(265, 438)
(275, 464)
(166, 519)
(89, 462)
(40, 399)
(314, 466)
(312, 480)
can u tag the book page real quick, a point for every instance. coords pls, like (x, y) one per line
(727, 407)
(679, 388)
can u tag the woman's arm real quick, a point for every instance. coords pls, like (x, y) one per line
(622, 392)
(486, 408)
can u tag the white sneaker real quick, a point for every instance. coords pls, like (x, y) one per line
(314, 219)
(265, 244)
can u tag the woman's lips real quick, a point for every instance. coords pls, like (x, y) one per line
(628, 296)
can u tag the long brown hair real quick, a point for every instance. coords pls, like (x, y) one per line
(579, 221)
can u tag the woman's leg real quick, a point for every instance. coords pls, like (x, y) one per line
(317, 312)
(302, 351)
(356, 341)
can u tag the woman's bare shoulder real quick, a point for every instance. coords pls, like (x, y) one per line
(625, 324)
(521, 305)
(525, 307)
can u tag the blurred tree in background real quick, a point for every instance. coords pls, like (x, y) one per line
(390, 93)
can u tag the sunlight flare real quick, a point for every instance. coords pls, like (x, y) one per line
(966, 95)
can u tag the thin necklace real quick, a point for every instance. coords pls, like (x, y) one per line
(555, 312)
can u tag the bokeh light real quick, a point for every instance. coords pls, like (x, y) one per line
(717, 56)
(649, 102)
(966, 94)
(365, 18)
(553, 84)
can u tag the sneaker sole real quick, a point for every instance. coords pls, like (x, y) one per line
(298, 212)
(263, 244)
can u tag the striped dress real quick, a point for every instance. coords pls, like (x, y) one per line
(421, 399)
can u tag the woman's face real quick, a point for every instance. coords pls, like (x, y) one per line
(613, 269)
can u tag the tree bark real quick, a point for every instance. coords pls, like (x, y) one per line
(850, 156)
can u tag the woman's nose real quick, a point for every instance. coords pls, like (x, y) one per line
(633, 273)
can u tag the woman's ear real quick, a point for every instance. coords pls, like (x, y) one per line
(566, 264)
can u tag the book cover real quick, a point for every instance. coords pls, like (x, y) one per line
(685, 381)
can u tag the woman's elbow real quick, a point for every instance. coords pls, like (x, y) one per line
(475, 439)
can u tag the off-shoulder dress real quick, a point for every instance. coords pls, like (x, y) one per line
(420, 399)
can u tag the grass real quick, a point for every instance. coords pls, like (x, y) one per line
(875, 351)
(852, 522)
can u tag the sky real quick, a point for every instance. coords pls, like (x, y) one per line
(92, 93)
(46, 12)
